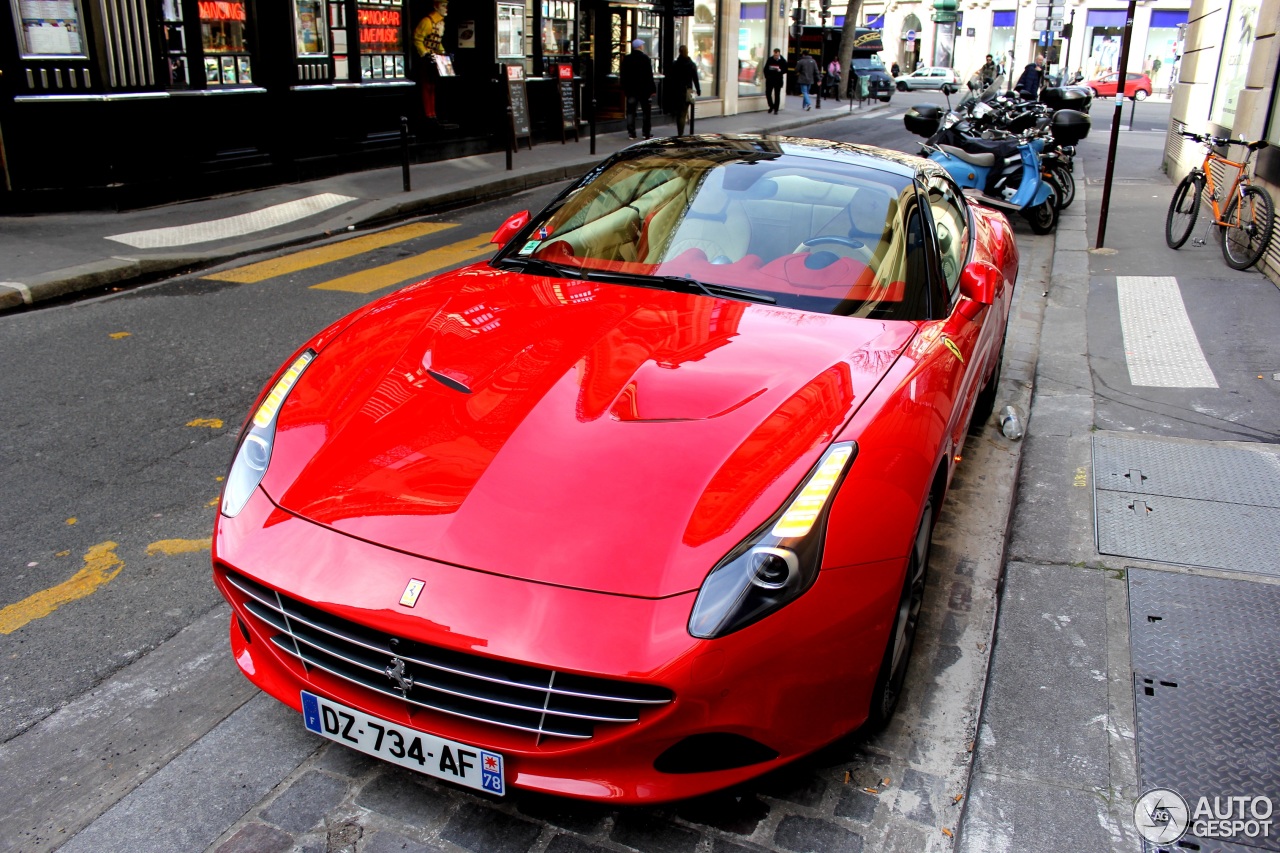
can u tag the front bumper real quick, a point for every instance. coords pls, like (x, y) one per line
(790, 683)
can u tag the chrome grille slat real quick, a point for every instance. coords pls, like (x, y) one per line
(294, 617)
(521, 697)
(390, 691)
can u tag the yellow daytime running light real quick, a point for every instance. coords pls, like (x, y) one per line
(267, 411)
(799, 518)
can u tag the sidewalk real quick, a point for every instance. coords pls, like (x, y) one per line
(51, 256)
(1136, 645)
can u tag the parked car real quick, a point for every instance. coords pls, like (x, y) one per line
(879, 84)
(1136, 86)
(927, 78)
(641, 507)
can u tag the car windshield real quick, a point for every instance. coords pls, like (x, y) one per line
(867, 63)
(804, 232)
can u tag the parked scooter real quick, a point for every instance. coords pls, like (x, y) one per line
(992, 146)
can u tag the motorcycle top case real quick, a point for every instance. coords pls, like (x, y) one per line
(1066, 97)
(923, 119)
(1070, 126)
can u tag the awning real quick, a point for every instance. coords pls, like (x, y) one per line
(1163, 18)
(1004, 19)
(1106, 17)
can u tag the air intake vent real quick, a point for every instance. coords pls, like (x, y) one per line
(544, 702)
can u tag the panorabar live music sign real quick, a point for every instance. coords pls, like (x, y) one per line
(380, 27)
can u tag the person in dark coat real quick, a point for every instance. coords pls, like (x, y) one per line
(682, 86)
(807, 74)
(636, 77)
(775, 75)
(1032, 76)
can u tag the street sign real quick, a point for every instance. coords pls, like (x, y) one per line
(944, 17)
(1046, 37)
(1055, 12)
(911, 35)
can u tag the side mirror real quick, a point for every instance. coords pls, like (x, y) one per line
(950, 88)
(510, 228)
(980, 285)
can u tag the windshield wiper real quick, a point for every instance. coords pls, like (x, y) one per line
(538, 266)
(681, 283)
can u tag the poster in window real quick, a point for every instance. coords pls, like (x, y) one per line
(309, 18)
(246, 71)
(211, 74)
(1233, 67)
(510, 31)
(229, 69)
(49, 28)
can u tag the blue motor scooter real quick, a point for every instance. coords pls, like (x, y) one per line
(1004, 173)
(1021, 190)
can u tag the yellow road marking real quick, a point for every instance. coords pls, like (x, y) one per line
(263, 270)
(118, 335)
(100, 565)
(211, 423)
(417, 267)
(170, 547)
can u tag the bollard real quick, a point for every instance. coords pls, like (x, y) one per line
(404, 150)
(693, 118)
(592, 121)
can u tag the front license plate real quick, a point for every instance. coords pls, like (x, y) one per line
(444, 759)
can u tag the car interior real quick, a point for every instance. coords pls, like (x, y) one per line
(813, 237)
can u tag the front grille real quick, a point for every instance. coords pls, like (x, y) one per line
(545, 702)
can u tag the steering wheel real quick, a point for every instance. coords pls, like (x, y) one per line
(847, 242)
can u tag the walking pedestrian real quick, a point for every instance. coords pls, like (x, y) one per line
(636, 77)
(682, 81)
(807, 74)
(775, 74)
(1032, 76)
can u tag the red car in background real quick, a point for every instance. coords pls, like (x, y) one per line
(640, 508)
(1137, 86)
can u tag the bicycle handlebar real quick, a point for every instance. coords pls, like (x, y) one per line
(1223, 140)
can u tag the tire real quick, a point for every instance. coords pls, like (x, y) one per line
(1244, 244)
(902, 87)
(897, 651)
(985, 403)
(1141, 95)
(1043, 218)
(1184, 207)
(1067, 183)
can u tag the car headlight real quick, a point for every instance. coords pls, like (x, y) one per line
(254, 453)
(777, 563)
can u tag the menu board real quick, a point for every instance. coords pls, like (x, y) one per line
(568, 109)
(518, 97)
(50, 28)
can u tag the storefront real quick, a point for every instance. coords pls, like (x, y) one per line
(134, 102)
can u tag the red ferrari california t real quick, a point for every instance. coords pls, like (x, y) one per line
(641, 507)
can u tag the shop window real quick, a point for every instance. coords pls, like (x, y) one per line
(49, 29)
(702, 37)
(174, 35)
(1233, 66)
(225, 39)
(381, 39)
(752, 19)
(510, 33)
(557, 30)
(309, 28)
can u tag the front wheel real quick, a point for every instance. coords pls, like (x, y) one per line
(1067, 185)
(897, 652)
(1043, 218)
(902, 87)
(1246, 236)
(1183, 210)
(1140, 95)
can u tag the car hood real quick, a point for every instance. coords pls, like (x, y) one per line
(594, 436)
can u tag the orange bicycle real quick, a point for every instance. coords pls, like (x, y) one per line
(1245, 229)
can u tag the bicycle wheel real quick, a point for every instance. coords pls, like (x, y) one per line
(1183, 210)
(1246, 238)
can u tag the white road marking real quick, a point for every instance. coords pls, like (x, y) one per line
(232, 226)
(1159, 341)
